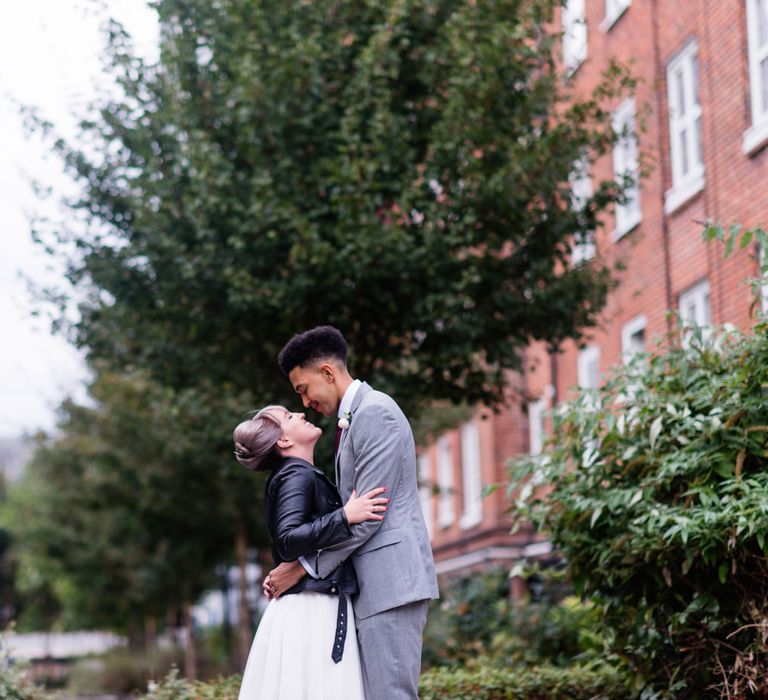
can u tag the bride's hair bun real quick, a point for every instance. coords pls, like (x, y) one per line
(255, 439)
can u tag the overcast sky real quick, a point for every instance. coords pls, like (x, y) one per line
(49, 58)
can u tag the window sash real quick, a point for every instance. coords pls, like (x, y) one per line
(613, 8)
(629, 334)
(684, 118)
(471, 476)
(574, 34)
(425, 491)
(581, 191)
(588, 367)
(757, 37)
(445, 512)
(626, 162)
(694, 309)
(536, 426)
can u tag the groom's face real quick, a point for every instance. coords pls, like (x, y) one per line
(316, 387)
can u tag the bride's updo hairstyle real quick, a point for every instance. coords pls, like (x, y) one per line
(256, 439)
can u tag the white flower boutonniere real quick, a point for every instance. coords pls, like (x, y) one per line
(344, 420)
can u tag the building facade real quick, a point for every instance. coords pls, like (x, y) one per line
(698, 123)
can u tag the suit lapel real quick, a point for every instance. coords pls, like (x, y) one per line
(361, 392)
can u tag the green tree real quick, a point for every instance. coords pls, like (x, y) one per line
(120, 513)
(398, 169)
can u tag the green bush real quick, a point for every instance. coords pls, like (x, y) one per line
(475, 623)
(658, 497)
(174, 688)
(121, 671)
(596, 682)
(15, 682)
(463, 623)
(544, 682)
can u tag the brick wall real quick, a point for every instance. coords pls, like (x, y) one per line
(663, 256)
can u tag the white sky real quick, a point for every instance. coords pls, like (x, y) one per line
(49, 58)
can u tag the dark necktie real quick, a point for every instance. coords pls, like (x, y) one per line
(338, 438)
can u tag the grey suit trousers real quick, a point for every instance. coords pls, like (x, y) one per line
(390, 651)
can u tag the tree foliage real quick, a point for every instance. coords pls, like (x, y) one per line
(657, 497)
(398, 169)
(126, 513)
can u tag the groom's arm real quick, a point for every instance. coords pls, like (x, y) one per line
(377, 439)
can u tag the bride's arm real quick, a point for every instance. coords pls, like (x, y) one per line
(293, 504)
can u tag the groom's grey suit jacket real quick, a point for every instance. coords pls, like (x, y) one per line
(392, 558)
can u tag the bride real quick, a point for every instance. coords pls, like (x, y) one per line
(306, 645)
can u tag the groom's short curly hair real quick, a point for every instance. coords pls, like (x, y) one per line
(320, 343)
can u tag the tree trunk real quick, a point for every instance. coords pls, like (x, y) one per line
(136, 639)
(241, 546)
(150, 632)
(233, 663)
(190, 652)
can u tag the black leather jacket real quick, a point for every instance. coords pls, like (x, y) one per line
(305, 514)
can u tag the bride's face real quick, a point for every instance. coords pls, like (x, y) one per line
(297, 428)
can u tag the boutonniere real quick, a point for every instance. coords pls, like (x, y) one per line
(344, 420)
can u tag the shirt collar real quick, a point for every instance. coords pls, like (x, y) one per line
(349, 396)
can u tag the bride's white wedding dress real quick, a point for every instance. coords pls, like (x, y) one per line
(290, 658)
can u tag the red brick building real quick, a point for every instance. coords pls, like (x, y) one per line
(699, 119)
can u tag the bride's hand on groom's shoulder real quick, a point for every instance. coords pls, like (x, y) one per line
(369, 506)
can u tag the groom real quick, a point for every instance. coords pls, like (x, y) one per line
(392, 558)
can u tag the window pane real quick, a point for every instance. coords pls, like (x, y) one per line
(535, 426)
(762, 22)
(695, 75)
(680, 93)
(698, 155)
(445, 512)
(764, 83)
(594, 373)
(685, 117)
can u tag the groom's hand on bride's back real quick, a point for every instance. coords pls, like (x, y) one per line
(283, 577)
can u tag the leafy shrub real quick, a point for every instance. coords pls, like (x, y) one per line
(463, 622)
(657, 495)
(121, 671)
(174, 688)
(15, 685)
(595, 682)
(475, 623)
(15, 682)
(544, 682)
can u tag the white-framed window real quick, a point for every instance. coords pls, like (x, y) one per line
(574, 34)
(633, 338)
(684, 128)
(588, 367)
(425, 490)
(536, 430)
(613, 10)
(581, 191)
(472, 481)
(445, 511)
(626, 165)
(757, 37)
(588, 377)
(695, 311)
